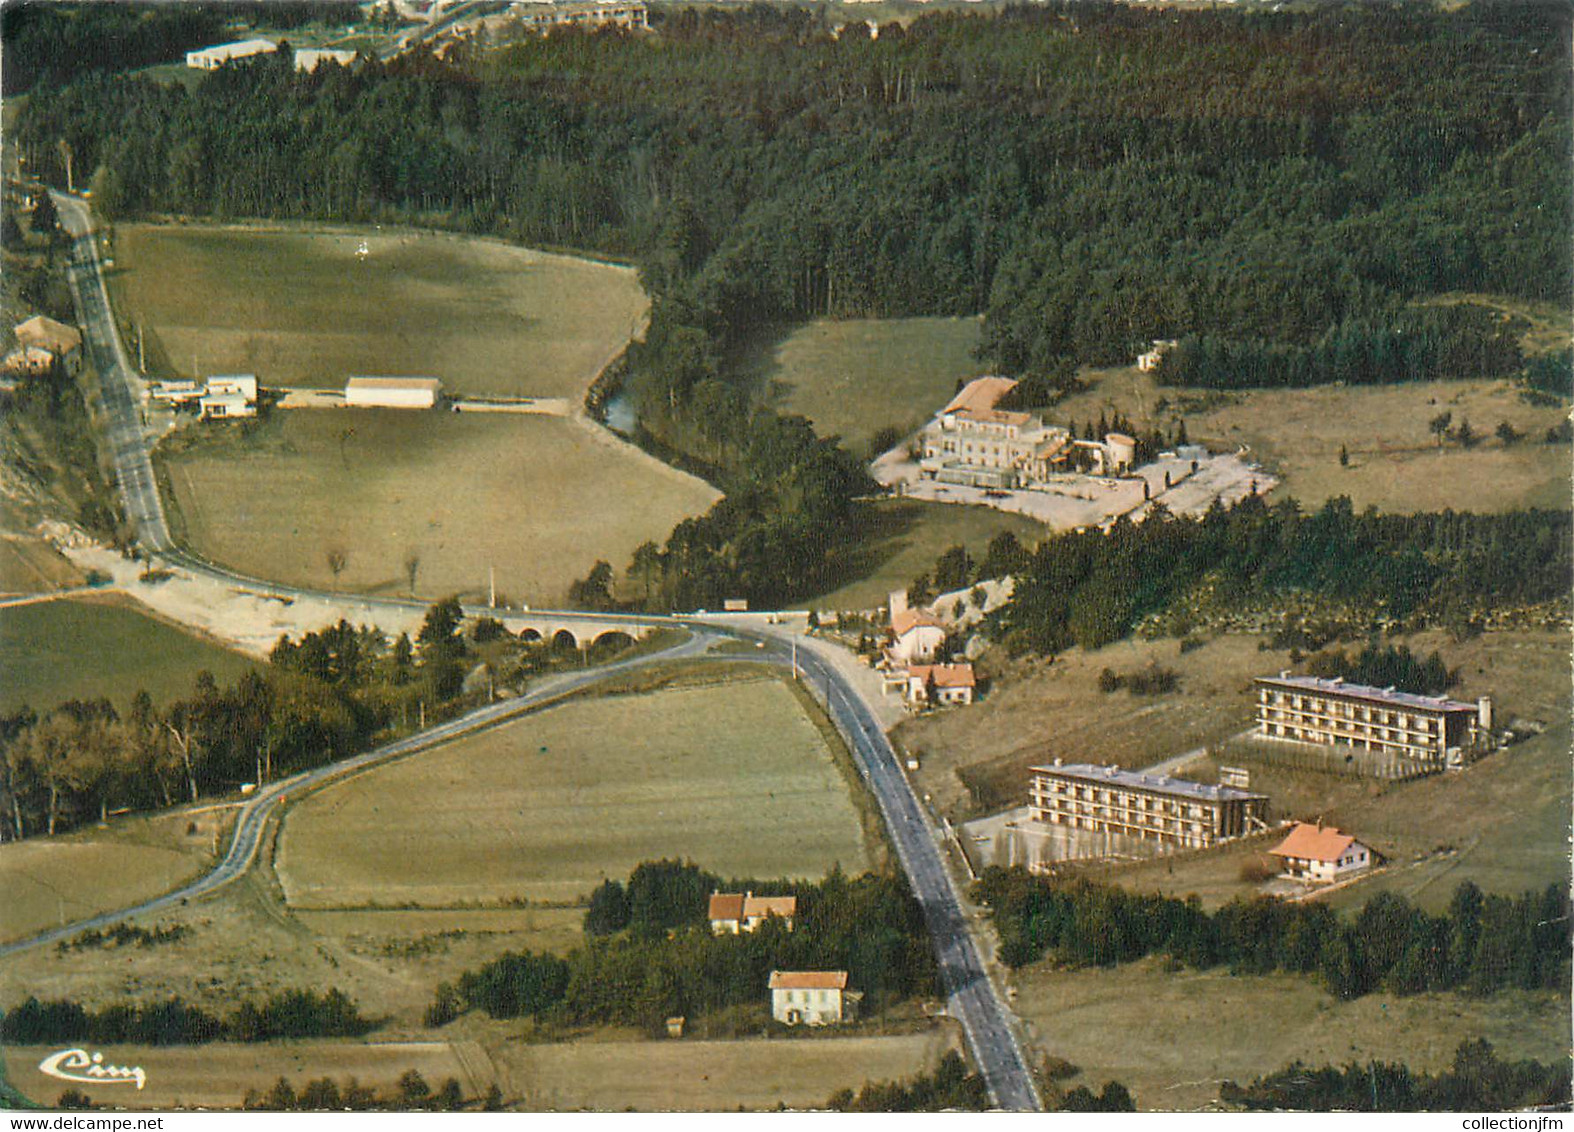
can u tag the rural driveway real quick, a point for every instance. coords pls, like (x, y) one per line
(972, 997)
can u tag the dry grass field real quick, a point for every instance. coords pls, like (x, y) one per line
(82, 649)
(218, 1076)
(539, 499)
(1395, 462)
(1171, 1037)
(905, 536)
(310, 308)
(47, 881)
(976, 761)
(1502, 823)
(857, 376)
(705, 1076)
(734, 776)
(31, 566)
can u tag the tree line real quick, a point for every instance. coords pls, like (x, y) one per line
(1478, 1080)
(949, 1088)
(1481, 944)
(1337, 166)
(327, 695)
(664, 961)
(1447, 568)
(1379, 666)
(410, 1093)
(288, 1014)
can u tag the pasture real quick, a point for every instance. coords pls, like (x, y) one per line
(83, 649)
(854, 377)
(305, 307)
(710, 1076)
(1395, 462)
(735, 777)
(537, 499)
(903, 537)
(49, 881)
(218, 1076)
(1172, 1036)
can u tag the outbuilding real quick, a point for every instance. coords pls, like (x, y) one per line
(61, 341)
(392, 392)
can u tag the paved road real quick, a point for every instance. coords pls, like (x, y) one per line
(971, 996)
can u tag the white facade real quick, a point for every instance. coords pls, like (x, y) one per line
(226, 406)
(392, 392)
(212, 58)
(310, 58)
(811, 998)
(240, 384)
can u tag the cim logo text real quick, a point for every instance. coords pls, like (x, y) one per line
(89, 1069)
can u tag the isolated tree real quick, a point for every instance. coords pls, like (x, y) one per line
(1439, 426)
(336, 563)
(1465, 434)
(1508, 434)
(1344, 456)
(439, 636)
(412, 567)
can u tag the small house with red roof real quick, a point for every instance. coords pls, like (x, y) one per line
(939, 685)
(1321, 854)
(735, 912)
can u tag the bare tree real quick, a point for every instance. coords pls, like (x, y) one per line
(412, 567)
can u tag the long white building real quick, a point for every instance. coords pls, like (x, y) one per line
(392, 392)
(212, 58)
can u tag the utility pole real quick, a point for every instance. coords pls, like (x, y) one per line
(142, 361)
(491, 587)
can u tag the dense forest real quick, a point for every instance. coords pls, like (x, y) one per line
(663, 960)
(1480, 945)
(1057, 167)
(1478, 1080)
(1091, 588)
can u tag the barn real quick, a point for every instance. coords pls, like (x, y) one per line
(392, 392)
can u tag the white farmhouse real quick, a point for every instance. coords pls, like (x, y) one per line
(1321, 855)
(812, 998)
(392, 392)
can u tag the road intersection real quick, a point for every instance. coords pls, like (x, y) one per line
(972, 997)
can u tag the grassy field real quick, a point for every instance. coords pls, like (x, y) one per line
(47, 880)
(735, 777)
(538, 499)
(79, 649)
(1395, 462)
(905, 536)
(976, 761)
(698, 1076)
(309, 308)
(31, 565)
(1171, 1037)
(855, 377)
(218, 1076)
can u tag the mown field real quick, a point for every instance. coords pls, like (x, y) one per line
(1172, 1036)
(311, 307)
(1395, 461)
(47, 881)
(905, 536)
(736, 777)
(82, 649)
(537, 499)
(854, 377)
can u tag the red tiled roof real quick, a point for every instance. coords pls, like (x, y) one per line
(944, 675)
(980, 395)
(808, 980)
(910, 619)
(1313, 843)
(783, 906)
(726, 906)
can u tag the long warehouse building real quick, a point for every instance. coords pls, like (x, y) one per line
(1173, 812)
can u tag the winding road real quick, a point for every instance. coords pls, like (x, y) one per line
(971, 995)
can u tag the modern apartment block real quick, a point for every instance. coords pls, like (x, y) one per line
(1173, 812)
(1432, 731)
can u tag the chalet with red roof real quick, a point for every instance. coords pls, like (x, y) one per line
(939, 685)
(1321, 854)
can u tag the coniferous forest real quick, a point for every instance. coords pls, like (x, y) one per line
(1278, 190)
